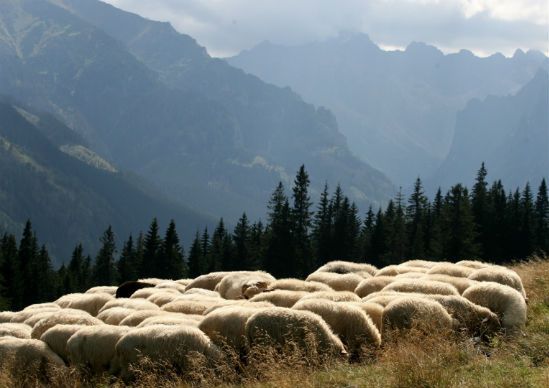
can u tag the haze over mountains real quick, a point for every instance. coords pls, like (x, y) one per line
(397, 108)
(150, 100)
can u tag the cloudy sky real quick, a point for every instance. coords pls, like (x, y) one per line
(225, 27)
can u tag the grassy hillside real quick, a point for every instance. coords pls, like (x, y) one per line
(415, 361)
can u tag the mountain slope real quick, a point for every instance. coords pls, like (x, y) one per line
(397, 108)
(152, 101)
(67, 200)
(510, 134)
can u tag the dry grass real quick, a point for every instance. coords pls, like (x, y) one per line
(411, 360)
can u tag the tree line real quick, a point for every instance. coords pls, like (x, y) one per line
(487, 222)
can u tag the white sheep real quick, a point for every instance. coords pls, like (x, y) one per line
(421, 286)
(461, 284)
(7, 316)
(343, 267)
(505, 301)
(383, 298)
(41, 306)
(475, 264)
(169, 344)
(419, 263)
(393, 270)
(115, 315)
(244, 284)
(203, 292)
(90, 303)
(154, 281)
(189, 306)
(208, 281)
(240, 302)
(227, 326)
(18, 330)
(22, 316)
(374, 311)
(410, 275)
(138, 316)
(136, 304)
(57, 337)
(501, 275)
(94, 347)
(336, 296)
(421, 313)
(184, 282)
(292, 284)
(172, 319)
(39, 315)
(27, 353)
(111, 290)
(63, 318)
(284, 327)
(280, 298)
(338, 282)
(163, 298)
(376, 283)
(144, 293)
(350, 323)
(456, 270)
(172, 285)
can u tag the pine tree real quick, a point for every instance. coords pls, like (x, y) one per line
(480, 207)
(459, 225)
(74, 271)
(196, 257)
(206, 246)
(27, 255)
(279, 255)
(366, 236)
(104, 271)
(257, 245)
(241, 238)
(416, 220)
(220, 254)
(398, 238)
(379, 240)
(63, 282)
(435, 238)
(139, 254)
(44, 277)
(127, 265)
(322, 229)
(513, 227)
(172, 265)
(301, 223)
(151, 251)
(495, 240)
(542, 219)
(528, 229)
(9, 268)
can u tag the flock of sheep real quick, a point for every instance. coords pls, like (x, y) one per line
(342, 309)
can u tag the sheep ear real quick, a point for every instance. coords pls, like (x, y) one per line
(261, 284)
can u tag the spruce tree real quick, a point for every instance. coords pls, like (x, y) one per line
(435, 238)
(206, 245)
(542, 219)
(480, 207)
(219, 257)
(172, 265)
(398, 238)
(196, 257)
(9, 268)
(366, 236)
(416, 220)
(496, 237)
(151, 251)
(127, 265)
(241, 238)
(44, 277)
(528, 221)
(379, 239)
(322, 229)
(139, 254)
(27, 255)
(301, 223)
(459, 225)
(75, 277)
(104, 271)
(257, 245)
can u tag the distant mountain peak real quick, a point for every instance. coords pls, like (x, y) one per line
(421, 48)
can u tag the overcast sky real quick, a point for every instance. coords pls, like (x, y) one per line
(225, 27)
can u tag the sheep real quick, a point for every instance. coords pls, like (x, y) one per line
(292, 284)
(63, 318)
(18, 330)
(226, 326)
(410, 275)
(7, 316)
(38, 316)
(239, 285)
(172, 285)
(455, 270)
(27, 353)
(115, 315)
(336, 296)
(421, 286)
(471, 317)
(419, 263)
(136, 304)
(367, 286)
(383, 298)
(184, 282)
(111, 290)
(22, 316)
(280, 298)
(475, 264)
(138, 316)
(421, 313)
(189, 306)
(40, 306)
(168, 344)
(343, 267)
(203, 292)
(243, 303)
(208, 281)
(374, 311)
(127, 289)
(94, 347)
(461, 284)
(499, 275)
(144, 293)
(339, 282)
(393, 270)
(162, 298)
(282, 327)
(501, 299)
(57, 337)
(153, 281)
(172, 319)
(90, 303)
(350, 323)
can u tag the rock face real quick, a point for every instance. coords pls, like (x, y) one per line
(150, 100)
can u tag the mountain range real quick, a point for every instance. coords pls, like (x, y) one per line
(397, 108)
